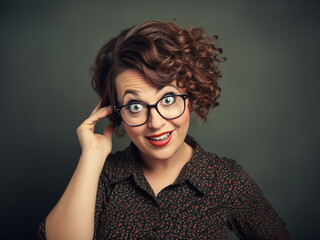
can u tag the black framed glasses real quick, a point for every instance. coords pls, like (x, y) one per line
(135, 113)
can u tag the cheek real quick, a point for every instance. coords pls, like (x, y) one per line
(183, 121)
(133, 132)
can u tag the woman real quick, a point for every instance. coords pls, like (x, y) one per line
(164, 185)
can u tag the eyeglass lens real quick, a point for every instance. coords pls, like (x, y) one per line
(168, 107)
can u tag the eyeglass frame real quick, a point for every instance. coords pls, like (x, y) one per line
(183, 96)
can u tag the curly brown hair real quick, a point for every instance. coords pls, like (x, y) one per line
(163, 52)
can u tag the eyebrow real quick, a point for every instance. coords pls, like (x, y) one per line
(129, 91)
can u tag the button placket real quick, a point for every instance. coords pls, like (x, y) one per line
(155, 222)
(163, 204)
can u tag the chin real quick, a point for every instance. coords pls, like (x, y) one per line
(159, 154)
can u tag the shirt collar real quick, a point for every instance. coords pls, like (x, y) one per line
(124, 164)
(197, 170)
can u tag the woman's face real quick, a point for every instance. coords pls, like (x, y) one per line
(132, 85)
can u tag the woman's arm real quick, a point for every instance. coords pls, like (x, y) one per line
(73, 215)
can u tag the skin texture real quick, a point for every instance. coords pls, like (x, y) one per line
(159, 163)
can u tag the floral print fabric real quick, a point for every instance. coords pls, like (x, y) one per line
(211, 197)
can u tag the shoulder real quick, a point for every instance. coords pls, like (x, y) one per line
(222, 172)
(223, 169)
(117, 159)
(228, 182)
(224, 165)
(226, 168)
(211, 162)
(119, 165)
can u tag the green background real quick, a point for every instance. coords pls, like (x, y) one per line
(267, 119)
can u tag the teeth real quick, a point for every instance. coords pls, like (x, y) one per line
(164, 136)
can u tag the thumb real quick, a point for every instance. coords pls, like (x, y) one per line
(108, 131)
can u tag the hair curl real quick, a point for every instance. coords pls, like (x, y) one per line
(163, 52)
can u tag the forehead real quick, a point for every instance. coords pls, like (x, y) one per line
(133, 81)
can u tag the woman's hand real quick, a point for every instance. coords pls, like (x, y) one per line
(91, 141)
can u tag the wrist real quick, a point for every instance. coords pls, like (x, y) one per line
(93, 156)
(100, 153)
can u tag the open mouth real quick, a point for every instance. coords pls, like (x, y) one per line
(161, 139)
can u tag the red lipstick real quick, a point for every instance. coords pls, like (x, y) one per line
(160, 143)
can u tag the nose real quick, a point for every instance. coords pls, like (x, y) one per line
(155, 120)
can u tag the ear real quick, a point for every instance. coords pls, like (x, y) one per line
(189, 106)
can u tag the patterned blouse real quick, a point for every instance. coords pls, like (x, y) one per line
(211, 197)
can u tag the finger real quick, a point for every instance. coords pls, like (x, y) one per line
(97, 107)
(97, 116)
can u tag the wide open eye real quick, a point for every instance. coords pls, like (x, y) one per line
(169, 100)
(135, 107)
